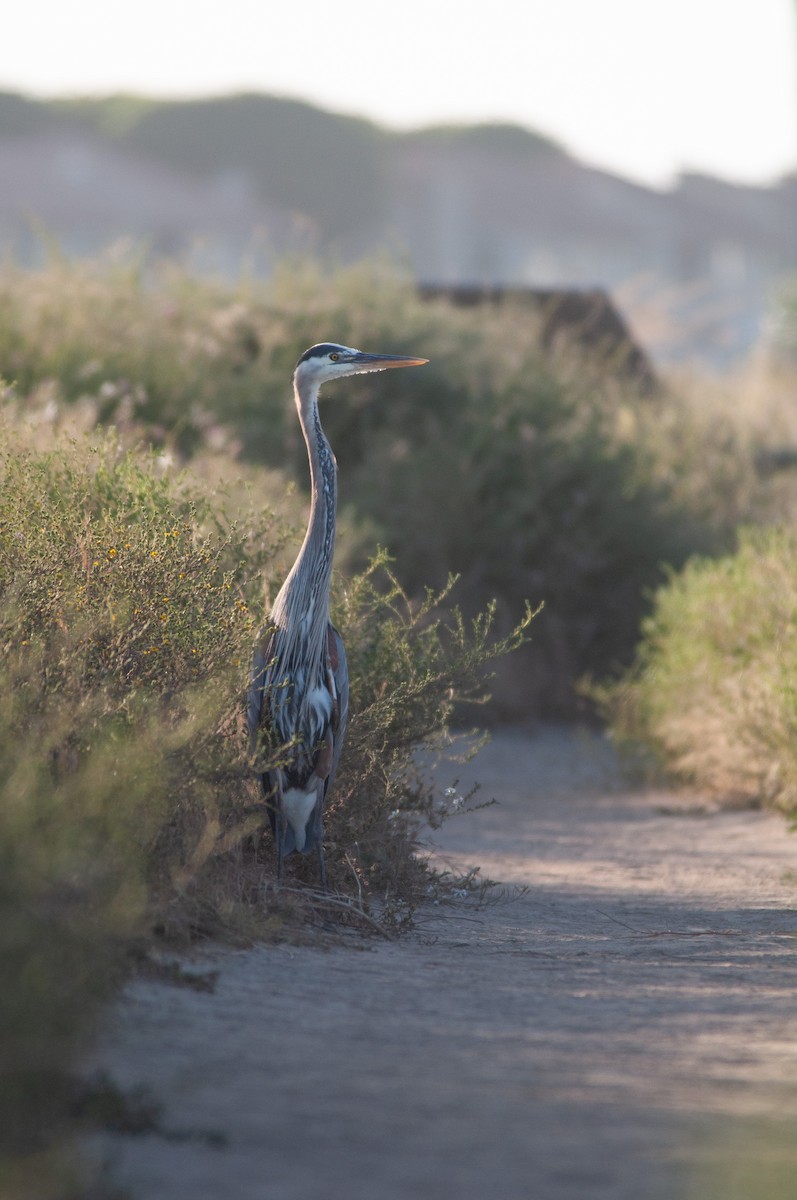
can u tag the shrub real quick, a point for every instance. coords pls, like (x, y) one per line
(712, 691)
(414, 665)
(128, 606)
(77, 834)
(547, 479)
(532, 497)
(120, 603)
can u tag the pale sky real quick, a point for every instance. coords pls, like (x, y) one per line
(642, 87)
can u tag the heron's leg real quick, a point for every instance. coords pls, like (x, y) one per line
(280, 831)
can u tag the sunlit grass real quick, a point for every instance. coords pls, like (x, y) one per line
(713, 689)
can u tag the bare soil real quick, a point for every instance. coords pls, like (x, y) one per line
(593, 1037)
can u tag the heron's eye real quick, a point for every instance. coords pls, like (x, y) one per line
(334, 357)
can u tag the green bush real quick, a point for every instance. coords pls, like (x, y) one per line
(120, 604)
(77, 836)
(712, 691)
(533, 497)
(547, 480)
(128, 607)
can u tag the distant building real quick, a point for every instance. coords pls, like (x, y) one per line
(714, 253)
(495, 209)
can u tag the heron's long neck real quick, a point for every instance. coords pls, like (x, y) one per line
(303, 600)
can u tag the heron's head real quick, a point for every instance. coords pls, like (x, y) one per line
(327, 361)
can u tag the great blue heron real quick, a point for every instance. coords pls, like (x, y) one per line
(299, 690)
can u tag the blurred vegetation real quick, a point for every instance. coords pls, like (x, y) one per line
(278, 146)
(786, 324)
(120, 603)
(547, 478)
(711, 692)
(494, 136)
(713, 687)
(21, 115)
(746, 1160)
(287, 146)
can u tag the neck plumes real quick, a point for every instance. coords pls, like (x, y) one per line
(302, 607)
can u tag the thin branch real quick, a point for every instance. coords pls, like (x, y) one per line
(340, 903)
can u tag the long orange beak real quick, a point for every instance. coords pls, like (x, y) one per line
(382, 362)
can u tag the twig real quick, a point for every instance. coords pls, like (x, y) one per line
(617, 921)
(345, 905)
(682, 933)
(356, 879)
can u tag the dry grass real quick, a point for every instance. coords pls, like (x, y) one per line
(128, 606)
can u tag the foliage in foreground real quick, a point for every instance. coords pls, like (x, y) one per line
(713, 689)
(128, 606)
(120, 602)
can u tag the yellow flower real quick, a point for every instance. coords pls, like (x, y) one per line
(153, 553)
(112, 552)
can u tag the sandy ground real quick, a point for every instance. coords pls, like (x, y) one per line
(585, 1039)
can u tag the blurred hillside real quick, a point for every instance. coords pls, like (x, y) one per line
(244, 180)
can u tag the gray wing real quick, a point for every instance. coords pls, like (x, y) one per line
(340, 677)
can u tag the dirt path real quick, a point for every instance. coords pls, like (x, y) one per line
(588, 1040)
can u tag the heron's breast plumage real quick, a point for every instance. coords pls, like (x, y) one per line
(295, 703)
